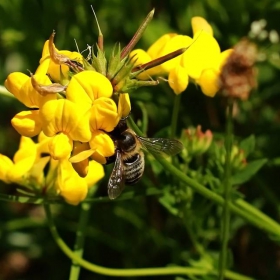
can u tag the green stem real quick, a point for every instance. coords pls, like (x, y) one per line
(22, 223)
(170, 270)
(5, 92)
(175, 114)
(80, 239)
(58, 200)
(239, 206)
(144, 116)
(225, 225)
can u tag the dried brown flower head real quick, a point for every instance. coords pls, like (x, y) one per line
(238, 75)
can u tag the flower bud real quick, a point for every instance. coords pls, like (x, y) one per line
(196, 141)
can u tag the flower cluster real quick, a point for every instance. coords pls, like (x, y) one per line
(72, 109)
(201, 63)
(73, 103)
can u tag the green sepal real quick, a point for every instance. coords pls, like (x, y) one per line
(115, 62)
(87, 65)
(99, 62)
(129, 85)
(124, 72)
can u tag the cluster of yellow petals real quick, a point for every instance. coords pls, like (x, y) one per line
(27, 169)
(201, 62)
(80, 116)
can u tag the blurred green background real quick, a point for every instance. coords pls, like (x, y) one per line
(141, 232)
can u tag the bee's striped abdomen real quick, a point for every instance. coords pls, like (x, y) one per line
(134, 168)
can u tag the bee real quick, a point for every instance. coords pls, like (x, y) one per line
(129, 158)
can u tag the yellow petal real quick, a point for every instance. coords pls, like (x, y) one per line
(5, 165)
(178, 79)
(95, 173)
(224, 56)
(43, 143)
(104, 114)
(14, 83)
(199, 23)
(55, 71)
(87, 86)
(27, 123)
(209, 82)
(60, 146)
(103, 146)
(155, 50)
(45, 52)
(59, 72)
(79, 158)
(20, 86)
(43, 67)
(70, 185)
(81, 155)
(64, 116)
(175, 43)
(141, 57)
(26, 146)
(203, 53)
(81, 167)
(124, 106)
(36, 173)
(24, 160)
(30, 97)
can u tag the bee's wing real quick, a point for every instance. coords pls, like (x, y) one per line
(116, 181)
(161, 146)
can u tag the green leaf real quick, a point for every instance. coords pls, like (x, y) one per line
(169, 202)
(251, 169)
(248, 145)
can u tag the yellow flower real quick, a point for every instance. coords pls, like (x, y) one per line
(102, 145)
(21, 87)
(201, 62)
(27, 166)
(104, 114)
(57, 72)
(124, 106)
(64, 117)
(178, 79)
(87, 86)
(92, 90)
(27, 123)
(71, 186)
(163, 46)
(27, 170)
